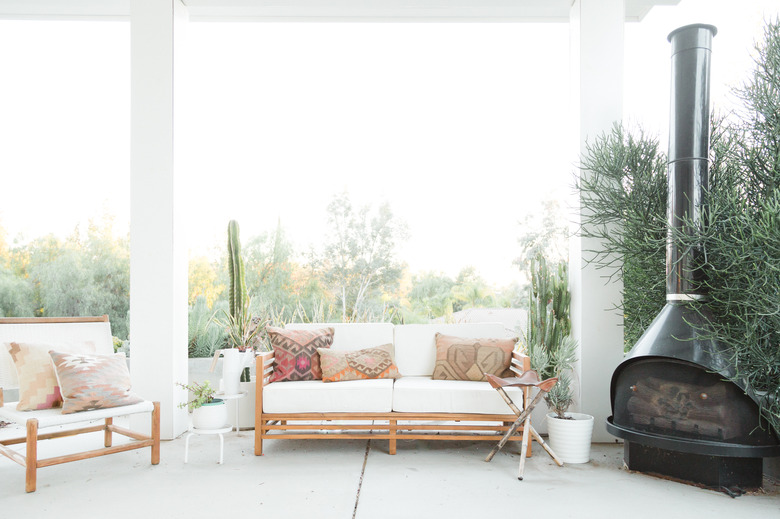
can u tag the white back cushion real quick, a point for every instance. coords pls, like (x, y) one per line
(47, 332)
(415, 344)
(352, 336)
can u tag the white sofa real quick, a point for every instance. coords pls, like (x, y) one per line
(411, 407)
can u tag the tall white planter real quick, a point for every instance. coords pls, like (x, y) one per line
(570, 439)
(232, 366)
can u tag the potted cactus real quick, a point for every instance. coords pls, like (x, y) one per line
(553, 352)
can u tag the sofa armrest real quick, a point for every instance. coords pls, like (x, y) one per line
(264, 367)
(520, 363)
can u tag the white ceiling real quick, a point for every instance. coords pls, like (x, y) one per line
(324, 10)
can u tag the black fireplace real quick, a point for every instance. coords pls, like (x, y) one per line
(673, 401)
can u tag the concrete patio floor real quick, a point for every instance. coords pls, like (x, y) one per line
(345, 479)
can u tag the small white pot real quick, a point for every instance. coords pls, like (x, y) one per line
(210, 416)
(570, 439)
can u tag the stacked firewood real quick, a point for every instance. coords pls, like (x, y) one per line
(676, 406)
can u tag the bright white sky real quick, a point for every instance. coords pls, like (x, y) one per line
(460, 127)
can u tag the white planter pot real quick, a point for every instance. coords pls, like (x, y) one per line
(232, 365)
(570, 439)
(210, 416)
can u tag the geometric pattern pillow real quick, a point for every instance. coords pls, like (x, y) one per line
(460, 358)
(367, 363)
(38, 388)
(93, 381)
(295, 352)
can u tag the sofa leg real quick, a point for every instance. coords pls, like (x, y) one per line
(259, 429)
(31, 478)
(393, 428)
(156, 434)
(107, 435)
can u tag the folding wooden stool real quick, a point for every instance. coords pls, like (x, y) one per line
(527, 380)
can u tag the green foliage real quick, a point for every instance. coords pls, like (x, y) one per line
(204, 336)
(202, 394)
(623, 189)
(548, 339)
(471, 291)
(431, 296)
(16, 295)
(742, 235)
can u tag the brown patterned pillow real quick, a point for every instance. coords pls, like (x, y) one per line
(460, 358)
(295, 352)
(38, 388)
(93, 381)
(358, 365)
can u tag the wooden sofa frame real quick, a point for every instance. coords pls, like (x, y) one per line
(392, 426)
(30, 460)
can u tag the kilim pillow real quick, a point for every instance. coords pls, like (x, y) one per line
(375, 362)
(460, 358)
(93, 381)
(38, 388)
(295, 352)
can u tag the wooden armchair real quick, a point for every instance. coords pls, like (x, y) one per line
(57, 331)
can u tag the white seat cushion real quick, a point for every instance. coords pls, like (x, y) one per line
(316, 396)
(52, 417)
(424, 395)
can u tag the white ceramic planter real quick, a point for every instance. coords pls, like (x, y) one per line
(570, 439)
(232, 365)
(210, 416)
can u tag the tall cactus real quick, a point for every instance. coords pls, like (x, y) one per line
(237, 295)
(548, 335)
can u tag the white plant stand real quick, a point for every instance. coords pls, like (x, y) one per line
(220, 432)
(236, 397)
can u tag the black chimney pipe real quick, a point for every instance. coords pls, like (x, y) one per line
(689, 144)
(681, 331)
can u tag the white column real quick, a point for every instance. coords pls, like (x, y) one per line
(597, 82)
(158, 263)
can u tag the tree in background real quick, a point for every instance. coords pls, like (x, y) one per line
(471, 291)
(358, 263)
(431, 295)
(544, 232)
(86, 274)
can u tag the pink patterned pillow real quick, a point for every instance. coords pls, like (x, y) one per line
(38, 388)
(93, 381)
(295, 352)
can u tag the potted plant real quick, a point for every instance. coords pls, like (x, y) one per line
(553, 352)
(208, 412)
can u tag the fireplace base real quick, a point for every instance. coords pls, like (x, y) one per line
(715, 472)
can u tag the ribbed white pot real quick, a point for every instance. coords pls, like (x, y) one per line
(210, 416)
(570, 439)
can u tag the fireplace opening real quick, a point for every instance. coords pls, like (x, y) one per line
(680, 400)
